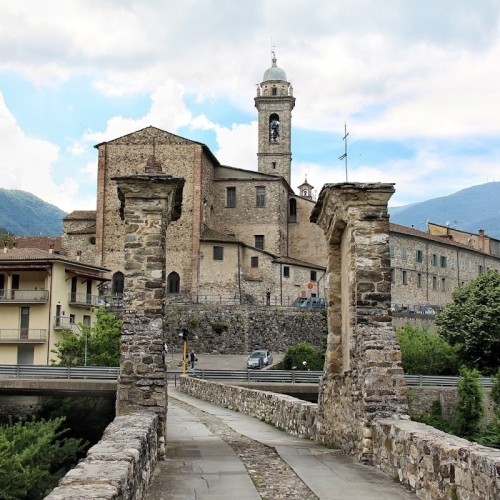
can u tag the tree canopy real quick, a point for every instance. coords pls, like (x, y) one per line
(97, 345)
(472, 322)
(425, 352)
(33, 457)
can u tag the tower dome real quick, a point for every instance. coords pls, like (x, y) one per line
(274, 73)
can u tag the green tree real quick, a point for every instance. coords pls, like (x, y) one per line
(97, 345)
(469, 412)
(33, 457)
(425, 352)
(295, 355)
(472, 322)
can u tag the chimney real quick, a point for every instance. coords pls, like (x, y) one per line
(14, 244)
(78, 255)
(5, 247)
(51, 248)
(481, 233)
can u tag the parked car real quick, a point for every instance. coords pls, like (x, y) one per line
(314, 302)
(259, 359)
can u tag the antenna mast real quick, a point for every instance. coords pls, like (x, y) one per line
(344, 156)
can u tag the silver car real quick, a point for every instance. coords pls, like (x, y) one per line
(259, 359)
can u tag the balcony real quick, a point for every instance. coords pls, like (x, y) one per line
(65, 323)
(84, 300)
(9, 296)
(22, 336)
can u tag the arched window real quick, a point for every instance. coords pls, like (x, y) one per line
(173, 283)
(117, 283)
(292, 210)
(274, 128)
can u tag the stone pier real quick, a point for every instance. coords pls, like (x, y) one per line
(363, 379)
(149, 202)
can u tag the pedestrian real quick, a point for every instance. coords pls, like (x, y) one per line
(193, 359)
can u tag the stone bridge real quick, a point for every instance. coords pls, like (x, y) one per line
(362, 406)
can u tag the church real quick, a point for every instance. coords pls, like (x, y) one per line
(243, 237)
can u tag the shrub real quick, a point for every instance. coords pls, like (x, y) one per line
(295, 355)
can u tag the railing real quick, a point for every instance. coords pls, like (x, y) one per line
(22, 335)
(440, 381)
(65, 323)
(228, 299)
(8, 295)
(426, 309)
(59, 372)
(84, 299)
(277, 376)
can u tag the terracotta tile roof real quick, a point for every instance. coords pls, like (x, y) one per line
(213, 235)
(35, 255)
(81, 215)
(297, 262)
(444, 240)
(40, 242)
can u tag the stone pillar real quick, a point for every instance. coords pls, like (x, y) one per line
(149, 202)
(363, 377)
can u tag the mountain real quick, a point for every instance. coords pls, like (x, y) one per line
(470, 210)
(23, 214)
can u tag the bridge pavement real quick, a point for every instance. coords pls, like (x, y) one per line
(215, 453)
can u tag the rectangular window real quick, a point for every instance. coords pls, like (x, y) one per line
(480, 269)
(25, 322)
(420, 256)
(86, 320)
(314, 275)
(218, 253)
(405, 277)
(230, 197)
(260, 193)
(391, 251)
(72, 319)
(254, 261)
(434, 283)
(419, 280)
(434, 259)
(443, 261)
(393, 275)
(286, 271)
(404, 253)
(443, 284)
(259, 241)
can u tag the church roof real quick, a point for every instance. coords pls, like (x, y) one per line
(274, 73)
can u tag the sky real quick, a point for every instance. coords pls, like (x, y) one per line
(416, 83)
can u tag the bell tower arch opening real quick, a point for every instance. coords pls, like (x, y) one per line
(274, 103)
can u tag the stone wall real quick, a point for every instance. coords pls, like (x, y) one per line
(244, 327)
(119, 467)
(432, 463)
(287, 413)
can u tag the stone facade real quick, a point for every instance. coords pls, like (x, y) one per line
(119, 467)
(363, 378)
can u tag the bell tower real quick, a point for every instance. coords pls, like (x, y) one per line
(274, 103)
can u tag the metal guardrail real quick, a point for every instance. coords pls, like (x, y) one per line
(276, 376)
(59, 372)
(440, 381)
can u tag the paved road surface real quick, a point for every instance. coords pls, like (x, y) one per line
(218, 454)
